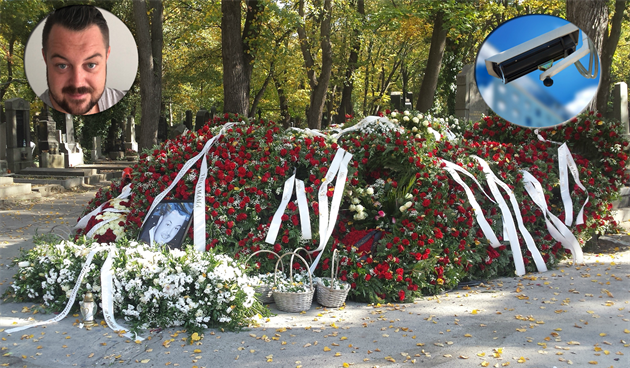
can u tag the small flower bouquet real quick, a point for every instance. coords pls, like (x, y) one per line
(296, 293)
(263, 283)
(332, 292)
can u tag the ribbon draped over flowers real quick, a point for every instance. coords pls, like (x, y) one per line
(83, 222)
(199, 210)
(106, 288)
(287, 192)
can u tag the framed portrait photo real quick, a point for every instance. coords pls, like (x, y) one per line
(168, 223)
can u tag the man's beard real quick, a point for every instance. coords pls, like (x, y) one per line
(73, 109)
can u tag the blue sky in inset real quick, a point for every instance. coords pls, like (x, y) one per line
(570, 88)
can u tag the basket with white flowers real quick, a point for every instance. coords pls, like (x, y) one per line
(294, 294)
(263, 283)
(332, 292)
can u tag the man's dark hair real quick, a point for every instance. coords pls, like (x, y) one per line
(76, 18)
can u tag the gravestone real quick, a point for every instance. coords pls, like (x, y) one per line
(18, 134)
(620, 105)
(3, 149)
(162, 129)
(69, 146)
(396, 101)
(113, 141)
(97, 151)
(49, 156)
(409, 101)
(130, 134)
(188, 121)
(469, 105)
(201, 118)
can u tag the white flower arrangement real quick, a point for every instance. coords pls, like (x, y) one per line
(153, 286)
(301, 283)
(335, 284)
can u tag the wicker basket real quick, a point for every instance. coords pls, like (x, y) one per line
(265, 292)
(329, 296)
(294, 302)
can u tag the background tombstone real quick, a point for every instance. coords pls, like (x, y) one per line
(49, 156)
(113, 141)
(620, 105)
(188, 121)
(396, 100)
(69, 147)
(3, 144)
(130, 134)
(162, 129)
(201, 118)
(408, 101)
(97, 150)
(18, 134)
(469, 105)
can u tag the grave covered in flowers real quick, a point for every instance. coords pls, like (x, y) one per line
(418, 213)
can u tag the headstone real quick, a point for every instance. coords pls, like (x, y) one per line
(49, 156)
(188, 121)
(18, 134)
(620, 105)
(469, 105)
(97, 151)
(162, 129)
(113, 141)
(130, 134)
(3, 141)
(201, 118)
(396, 101)
(409, 101)
(3, 149)
(69, 147)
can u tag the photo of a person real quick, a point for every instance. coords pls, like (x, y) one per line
(71, 65)
(168, 224)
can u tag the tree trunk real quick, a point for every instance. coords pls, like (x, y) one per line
(261, 92)
(318, 84)
(434, 63)
(235, 80)
(7, 84)
(609, 47)
(150, 41)
(346, 107)
(592, 18)
(284, 106)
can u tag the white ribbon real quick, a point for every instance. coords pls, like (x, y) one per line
(507, 217)
(82, 223)
(565, 160)
(305, 219)
(310, 132)
(106, 294)
(481, 220)
(366, 121)
(272, 234)
(338, 168)
(199, 209)
(559, 232)
(200, 204)
(98, 225)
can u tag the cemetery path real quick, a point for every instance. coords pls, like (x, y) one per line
(569, 316)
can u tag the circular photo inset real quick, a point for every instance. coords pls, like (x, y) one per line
(81, 60)
(537, 71)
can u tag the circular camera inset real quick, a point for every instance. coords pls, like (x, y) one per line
(537, 71)
(81, 60)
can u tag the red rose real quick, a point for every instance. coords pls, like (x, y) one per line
(401, 295)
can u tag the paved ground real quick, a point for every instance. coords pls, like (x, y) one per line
(573, 316)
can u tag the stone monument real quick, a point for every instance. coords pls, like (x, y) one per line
(97, 151)
(18, 134)
(69, 146)
(201, 118)
(469, 105)
(4, 165)
(49, 155)
(188, 121)
(130, 134)
(620, 105)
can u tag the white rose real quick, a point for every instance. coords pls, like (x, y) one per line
(356, 201)
(394, 114)
(360, 208)
(402, 208)
(425, 123)
(415, 119)
(408, 204)
(406, 113)
(353, 207)
(370, 190)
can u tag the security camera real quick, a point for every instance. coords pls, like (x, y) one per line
(540, 53)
